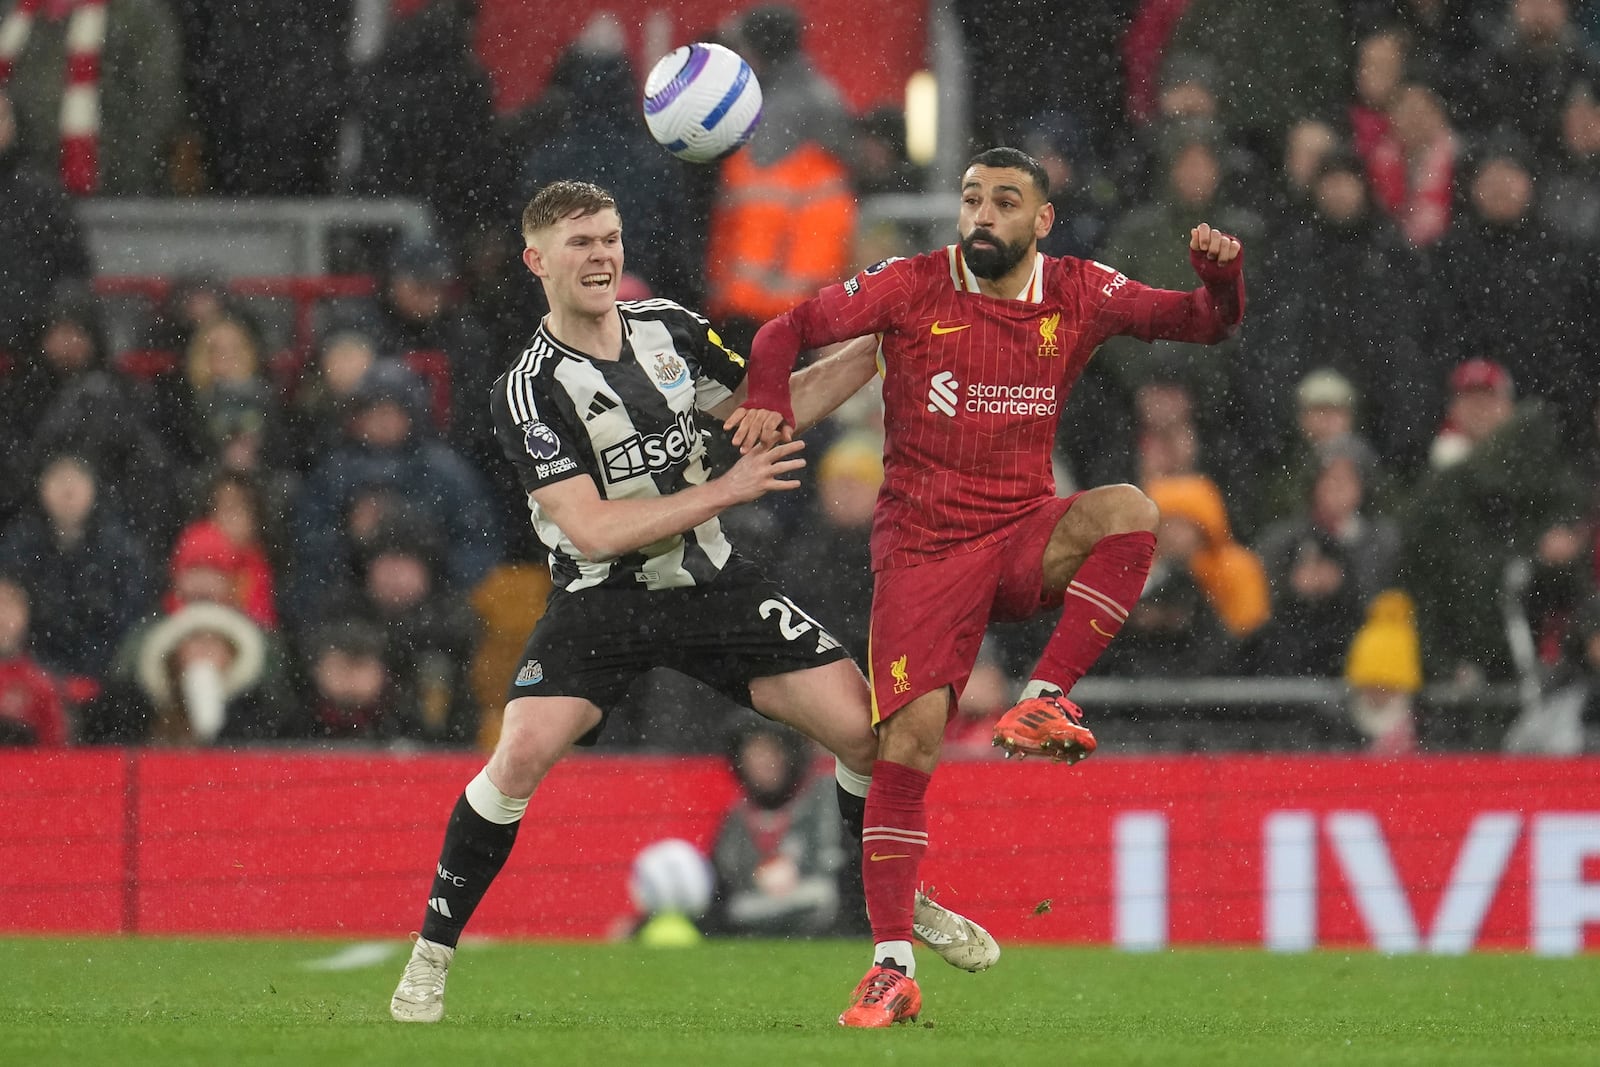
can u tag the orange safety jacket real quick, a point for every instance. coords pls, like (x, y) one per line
(778, 233)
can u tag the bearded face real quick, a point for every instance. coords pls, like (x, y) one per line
(988, 256)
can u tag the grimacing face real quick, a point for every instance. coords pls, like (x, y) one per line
(579, 260)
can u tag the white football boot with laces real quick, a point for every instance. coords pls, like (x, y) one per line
(419, 998)
(958, 940)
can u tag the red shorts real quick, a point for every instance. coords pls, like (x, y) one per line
(929, 619)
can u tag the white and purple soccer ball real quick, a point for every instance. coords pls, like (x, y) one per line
(671, 875)
(702, 102)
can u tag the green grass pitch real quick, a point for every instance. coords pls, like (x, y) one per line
(237, 1002)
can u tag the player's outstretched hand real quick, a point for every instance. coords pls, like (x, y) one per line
(760, 471)
(758, 426)
(1213, 244)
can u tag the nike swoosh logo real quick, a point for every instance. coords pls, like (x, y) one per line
(1094, 624)
(938, 329)
(936, 937)
(875, 857)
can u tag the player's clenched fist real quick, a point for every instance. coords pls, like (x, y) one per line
(1213, 244)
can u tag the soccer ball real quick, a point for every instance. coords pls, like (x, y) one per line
(671, 875)
(702, 102)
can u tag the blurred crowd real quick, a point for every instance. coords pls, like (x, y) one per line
(217, 534)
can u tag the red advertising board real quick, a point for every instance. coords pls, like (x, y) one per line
(1426, 855)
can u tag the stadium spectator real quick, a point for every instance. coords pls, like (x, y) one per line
(201, 675)
(646, 578)
(969, 527)
(1324, 564)
(1167, 441)
(1530, 65)
(388, 449)
(1198, 537)
(1384, 672)
(194, 297)
(424, 112)
(350, 692)
(881, 163)
(1325, 408)
(781, 858)
(1343, 293)
(44, 246)
(32, 711)
(1084, 198)
(1482, 400)
(320, 400)
(421, 322)
(1537, 306)
(1193, 185)
(1414, 165)
(1276, 63)
(1306, 144)
(230, 535)
(1569, 200)
(221, 391)
(71, 401)
(119, 63)
(1034, 60)
(429, 629)
(87, 579)
(795, 176)
(268, 84)
(1380, 74)
(1513, 496)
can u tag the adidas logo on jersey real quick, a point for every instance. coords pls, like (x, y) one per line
(599, 406)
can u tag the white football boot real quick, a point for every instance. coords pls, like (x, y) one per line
(958, 940)
(419, 998)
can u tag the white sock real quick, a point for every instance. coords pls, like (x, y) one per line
(1037, 687)
(492, 804)
(899, 951)
(851, 782)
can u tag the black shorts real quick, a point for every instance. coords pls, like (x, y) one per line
(594, 643)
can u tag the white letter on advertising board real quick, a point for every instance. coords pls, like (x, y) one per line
(1562, 901)
(1140, 918)
(1290, 907)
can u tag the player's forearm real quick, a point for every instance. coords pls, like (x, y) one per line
(1205, 315)
(834, 378)
(776, 347)
(772, 355)
(606, 529)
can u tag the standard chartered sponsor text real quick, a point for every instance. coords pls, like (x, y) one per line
(984, 398)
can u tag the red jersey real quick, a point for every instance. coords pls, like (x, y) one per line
(973, 386)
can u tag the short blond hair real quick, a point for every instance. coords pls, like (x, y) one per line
(563, 199)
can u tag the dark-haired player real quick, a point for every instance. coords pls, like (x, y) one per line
(981, 342)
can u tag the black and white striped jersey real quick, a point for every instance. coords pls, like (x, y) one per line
(630, 425)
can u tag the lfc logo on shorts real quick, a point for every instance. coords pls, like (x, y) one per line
(1047, 331)
(902, 680)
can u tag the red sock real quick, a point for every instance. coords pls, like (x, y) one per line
(892, 845)
(1096, 605)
